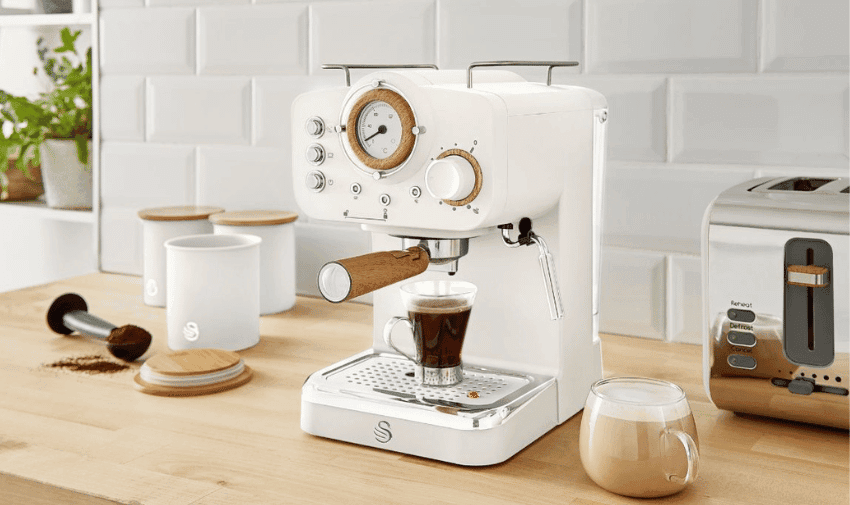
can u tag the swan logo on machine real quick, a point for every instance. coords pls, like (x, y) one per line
(382, 432)
(191, 332)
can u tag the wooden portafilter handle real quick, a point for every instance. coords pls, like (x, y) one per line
(349, 278)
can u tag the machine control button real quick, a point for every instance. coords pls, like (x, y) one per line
(744, 316)
(802, 386)
(315, 154)
(741, 338)
(450, 178)
(356, 188)
(385, 199)
(315, 127)
(415, 192)
(315, 181)
(739, 361)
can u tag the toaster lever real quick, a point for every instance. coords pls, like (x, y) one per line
(802, 386)
(809, 276)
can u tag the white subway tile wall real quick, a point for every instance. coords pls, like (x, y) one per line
(671, 36)
(269, 39)
(125, 117)
(703, 94)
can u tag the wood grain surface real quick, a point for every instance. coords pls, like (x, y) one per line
(67, 437)
(380, 269)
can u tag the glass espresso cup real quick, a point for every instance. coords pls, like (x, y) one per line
(438, 312)
(638, 437)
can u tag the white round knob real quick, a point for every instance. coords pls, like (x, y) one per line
(450, 178)
(315, 181)
(315, 154)
(315, 127)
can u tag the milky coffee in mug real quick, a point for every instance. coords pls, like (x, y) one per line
(638, 437)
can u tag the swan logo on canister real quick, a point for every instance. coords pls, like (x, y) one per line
(191, 332)
(151, 287)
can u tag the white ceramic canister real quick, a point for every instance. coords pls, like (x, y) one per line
(213, 291)
(277, 252)
(161, 224)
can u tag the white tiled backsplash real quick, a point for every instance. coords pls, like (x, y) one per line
(703, 94)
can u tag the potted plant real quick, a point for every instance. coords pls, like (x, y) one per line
(54, 130)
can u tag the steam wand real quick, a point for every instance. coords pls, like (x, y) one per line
(547, 263)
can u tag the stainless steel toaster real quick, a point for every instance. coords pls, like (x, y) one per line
(775, 315)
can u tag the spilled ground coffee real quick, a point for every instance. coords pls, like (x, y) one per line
(93, 364)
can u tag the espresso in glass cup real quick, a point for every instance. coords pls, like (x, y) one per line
(638, 437)
(437, 315)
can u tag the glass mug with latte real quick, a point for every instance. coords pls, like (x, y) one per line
(638, 437)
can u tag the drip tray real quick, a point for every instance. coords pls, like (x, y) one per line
(387, 380)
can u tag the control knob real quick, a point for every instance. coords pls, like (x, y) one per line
(315, 127)
(315, 181)
(450, 178)
(315, 154)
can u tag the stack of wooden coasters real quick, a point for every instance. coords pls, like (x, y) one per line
(192, 372)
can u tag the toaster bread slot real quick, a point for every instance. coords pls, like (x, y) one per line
(800, 184)
(808, 322)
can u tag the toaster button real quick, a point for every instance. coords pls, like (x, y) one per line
(739, 361)
(744, 316)
(802, 386)
(741, 338)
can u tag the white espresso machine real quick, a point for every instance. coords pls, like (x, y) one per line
(497, 182)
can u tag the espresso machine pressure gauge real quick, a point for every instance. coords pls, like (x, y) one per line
(380, 129)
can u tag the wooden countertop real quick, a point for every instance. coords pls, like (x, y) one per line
(67, 437)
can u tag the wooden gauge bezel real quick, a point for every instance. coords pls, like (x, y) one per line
(405, 115)
(479, 176)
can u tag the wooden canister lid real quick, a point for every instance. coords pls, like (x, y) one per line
(254, 217)
(181, 213)
(192, 361)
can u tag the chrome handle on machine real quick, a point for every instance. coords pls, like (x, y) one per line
(519, 63)
(346, 67)
(547, 263)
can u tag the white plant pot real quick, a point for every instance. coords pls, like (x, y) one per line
(67, 182)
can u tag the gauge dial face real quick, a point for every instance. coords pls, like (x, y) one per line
(379, 130)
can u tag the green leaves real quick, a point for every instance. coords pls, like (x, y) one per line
(68, 41)
(63, 113)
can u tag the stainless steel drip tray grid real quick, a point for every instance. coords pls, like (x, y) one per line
(388, 378)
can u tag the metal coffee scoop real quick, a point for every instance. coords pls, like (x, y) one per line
(69, 313)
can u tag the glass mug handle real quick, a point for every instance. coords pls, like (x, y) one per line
(691, 452)
(388, 332)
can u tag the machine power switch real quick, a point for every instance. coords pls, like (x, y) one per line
(802, 386)
(315, 181)
(744, 316)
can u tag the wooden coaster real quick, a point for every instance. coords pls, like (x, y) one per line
(192, 372)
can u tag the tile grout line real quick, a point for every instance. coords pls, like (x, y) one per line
(437, 33)
(668, 118)
(584, 38)
(197, 42)
(310, 58)
(669, 329)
